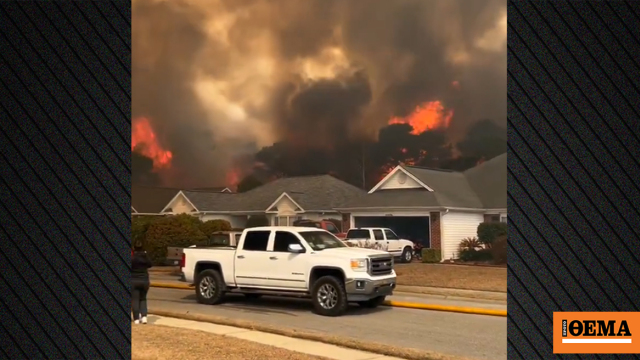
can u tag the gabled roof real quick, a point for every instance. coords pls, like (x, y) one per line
(284, 194)
(213, 189)
(403, 169)
(311, 193)
(489, 181)
(481, 187)
(150, 199)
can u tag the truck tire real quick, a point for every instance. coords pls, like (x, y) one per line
(407, 255)
(329, 296)
(209, 287)
(372, 303)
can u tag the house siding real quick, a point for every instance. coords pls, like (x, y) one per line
(394, 183)
(456, 226)
(181, 206)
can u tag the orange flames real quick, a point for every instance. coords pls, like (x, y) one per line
(145, 142)
(233, 177)
(430, 115)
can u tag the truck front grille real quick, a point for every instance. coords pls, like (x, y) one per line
(381, 266)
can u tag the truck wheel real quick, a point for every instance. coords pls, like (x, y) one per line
(329, 296)
(372, 303)
(209, 287)
(407, 255)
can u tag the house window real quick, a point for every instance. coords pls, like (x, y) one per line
(282, 221)
(503, 218)
(495, 218)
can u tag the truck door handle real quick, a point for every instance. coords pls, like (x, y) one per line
(240, 256)
(273, 258)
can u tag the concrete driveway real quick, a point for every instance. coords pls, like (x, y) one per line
(474, 336)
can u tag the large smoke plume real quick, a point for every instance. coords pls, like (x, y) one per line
(223, 78)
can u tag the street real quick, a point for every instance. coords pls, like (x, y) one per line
(474, 336)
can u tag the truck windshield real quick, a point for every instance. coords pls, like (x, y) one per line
(320, 240)
(358, 234)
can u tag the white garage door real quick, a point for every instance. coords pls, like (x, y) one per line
(455, 227)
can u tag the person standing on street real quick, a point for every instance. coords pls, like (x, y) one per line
(140, 265)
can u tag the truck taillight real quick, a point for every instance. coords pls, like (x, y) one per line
(182, 261)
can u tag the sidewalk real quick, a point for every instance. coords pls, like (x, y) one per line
(283, 342)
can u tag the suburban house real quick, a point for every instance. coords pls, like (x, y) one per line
(150, 200)
(282, 201)
(436, 207)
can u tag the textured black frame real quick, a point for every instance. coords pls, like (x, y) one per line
(65, 99)
(574, 145)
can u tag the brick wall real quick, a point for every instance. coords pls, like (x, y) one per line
(436, 242)
(346, 222)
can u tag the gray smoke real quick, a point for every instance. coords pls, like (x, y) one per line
(222, 78)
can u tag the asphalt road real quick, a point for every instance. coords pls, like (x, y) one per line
(474, 336)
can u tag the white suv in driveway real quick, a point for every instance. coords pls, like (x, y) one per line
(292, 261)
(381, 239)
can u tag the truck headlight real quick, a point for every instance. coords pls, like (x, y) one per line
(359, 264)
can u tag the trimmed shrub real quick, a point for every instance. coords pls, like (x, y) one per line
(257, 220)
(175, 231)
(210, 227)
(431, 255)
(499, 250)
(472, 255)
(488, 232)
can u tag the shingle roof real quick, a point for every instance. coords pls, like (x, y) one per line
(322, 192)
(149, 199)
(481, 187)
(489, 181)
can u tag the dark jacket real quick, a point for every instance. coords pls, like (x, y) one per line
(140, 265)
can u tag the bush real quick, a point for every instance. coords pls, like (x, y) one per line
(257, 220)
(499, 250)
(470, 243)
(175, 231)
(488, 232)
(431, 255)
(139, 226)
(210, 227)
(474, 255)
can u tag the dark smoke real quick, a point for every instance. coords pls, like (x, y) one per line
(399, 54)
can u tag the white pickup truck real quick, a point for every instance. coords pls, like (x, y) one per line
(292, 261)
(381, 239)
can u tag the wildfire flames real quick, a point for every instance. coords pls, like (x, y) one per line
(145, 142)
(430, 115)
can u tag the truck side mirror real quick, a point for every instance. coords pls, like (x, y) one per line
(295, 248)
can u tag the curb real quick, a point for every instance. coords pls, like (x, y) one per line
(401, 304)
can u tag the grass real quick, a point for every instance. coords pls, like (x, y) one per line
(383, 349)
(453, 276)
(157, 342)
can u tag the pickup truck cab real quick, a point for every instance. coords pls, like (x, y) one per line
(292, 261)
(381, 239)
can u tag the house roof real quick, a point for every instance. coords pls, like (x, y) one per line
(213, 189)
(481, 187)
(312, 193)
(150, 199)
(489, 181)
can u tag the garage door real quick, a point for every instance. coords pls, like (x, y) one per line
(414, 228)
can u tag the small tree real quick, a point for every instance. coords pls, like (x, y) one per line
(488, 232)
(210, 227)
(139, 226)
(175, 231)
